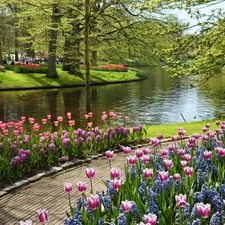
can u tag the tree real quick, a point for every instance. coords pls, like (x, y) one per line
(200, 54)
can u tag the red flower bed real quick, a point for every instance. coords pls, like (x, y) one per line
(115, 67)
(29, 65)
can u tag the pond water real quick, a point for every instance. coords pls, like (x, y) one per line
(156, 96)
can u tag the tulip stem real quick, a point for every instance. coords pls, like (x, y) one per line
(110, 164)
(91, 186)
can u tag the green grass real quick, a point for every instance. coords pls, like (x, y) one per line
(169, 130)
(10, 79)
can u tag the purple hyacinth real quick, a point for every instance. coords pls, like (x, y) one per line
(98, 139)
(66, 142)
(64, 159)
(105, 136)
(42, 152)
(28, 153)
(51, 147)
(15, 161)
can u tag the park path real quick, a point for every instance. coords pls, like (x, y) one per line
(47, 193)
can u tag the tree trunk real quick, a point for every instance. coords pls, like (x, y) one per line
(1, 61)
(52, 73)
(94, 57)
(86, 43)
(16, 45)
(66, 56)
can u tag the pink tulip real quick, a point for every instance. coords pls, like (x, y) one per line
(86, 116)
(5, 131)
(188, 171)
(23, 118)
(145, 158)
(211, 135)
(139, 153)
(36, 126)
(164, 176)
(132, 160)
(167, 163)
(187, 157)
(176, 176)
(150, 219)
(204, 129)
(160, 136)
(112, 114)
(154, 142)
(71, 122)
(56, 123)
(148, 173)
(181, 152)
(181, 132)
(181, 200)
(89, 124)
(164, 153)
(3, 125)
(207, 125)
(217, 123)
(146, 151)
(207, 155)
(126, 118)
(68, 187)
(27, 222)
(31, 120)
(126, 205)
(218, 131)
(81, 186)
(68, 115)
(90, 114)
(60, 118)
(116, 184)
(43, 216)
(49, 117)
(109, 154)
(183, 163)
(21, 129)
(90, 172)
(223, 126)
(44, 121)
(16, 132)
(115, 173)
(126, 150)
(93, 202)
(104, 113)
(196, 136)
(171, 148)
(104, 117)
(203, 209)
(174, 138)
(220, 151)
(205, 137)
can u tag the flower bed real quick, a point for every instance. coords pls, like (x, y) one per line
(181, 184)
(2, 68)
(22, 152)
(109, 67)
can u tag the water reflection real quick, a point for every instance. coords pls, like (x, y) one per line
(154, 96)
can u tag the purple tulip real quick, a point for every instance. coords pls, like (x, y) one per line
(115, 173)
(81, 186)
(132, 160)
(43, 216)
(93, 202)
(148, 173)
(164, 176)
(90, 172)
(177, 176)
(181, 200)
(68, 187)
(167, 163)
(188, 171)
(126, 205)
(150, 219)
(139, 153)
(109, 154)
(116, 184)
(203, 209)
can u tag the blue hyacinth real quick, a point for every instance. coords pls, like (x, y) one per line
(122, 219)
(215, 220)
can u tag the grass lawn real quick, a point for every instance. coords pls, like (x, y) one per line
(169, 130)
(10, 79)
